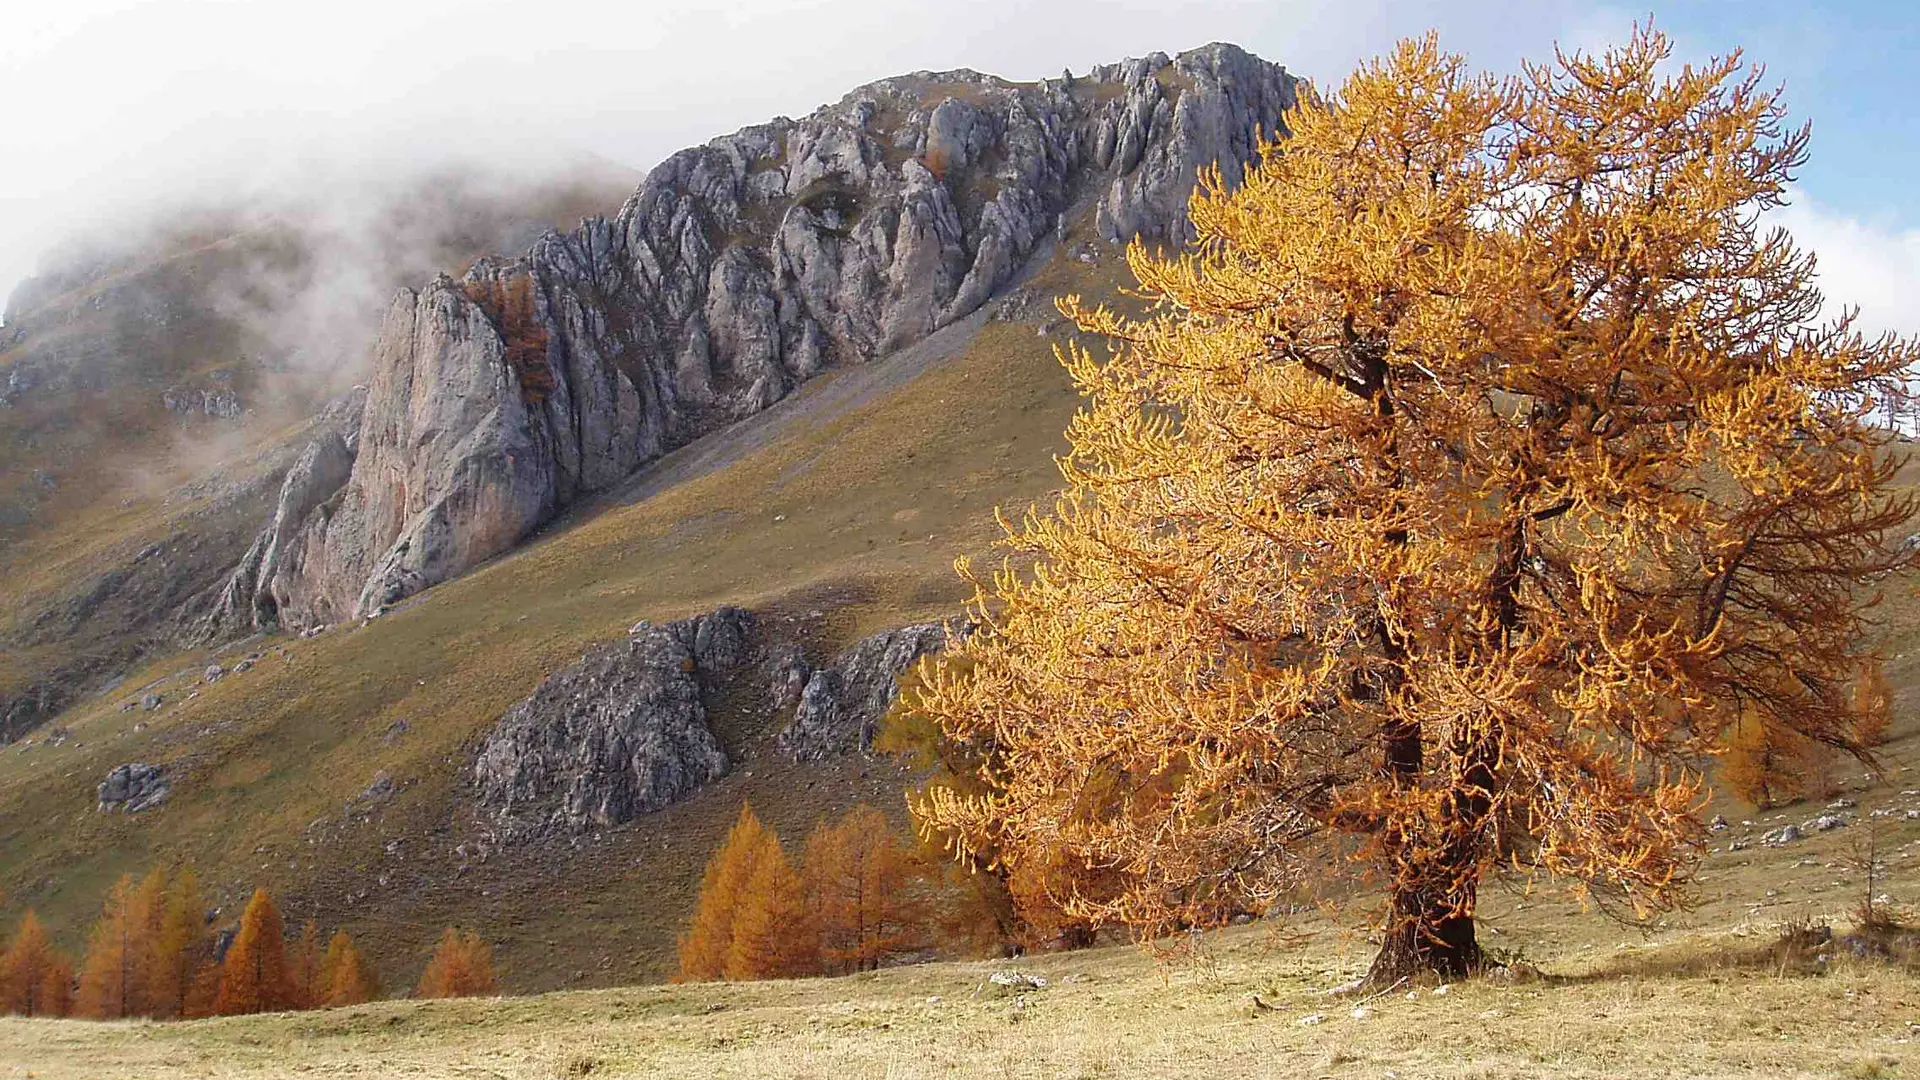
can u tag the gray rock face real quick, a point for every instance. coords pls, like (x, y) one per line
(621, 733)
(737, 271)
(134, 787)
(271, 569)
(840, 708)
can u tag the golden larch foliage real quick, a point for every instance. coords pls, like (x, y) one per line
(772, 936)
(253, 976)
(1768, 766)
(866, 892)
(117, 977)
(461, 966)
(1470, 478)
(303, 969)
(988, 906)
(709, 938)
(180, 945)
(203, 990)
(510, 306)
(34, 979)
(345, 974)
(56, 987)
(1873, 700)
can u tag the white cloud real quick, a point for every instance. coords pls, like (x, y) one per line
(1861, 264)
(109, 108)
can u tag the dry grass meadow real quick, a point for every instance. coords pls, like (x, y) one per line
(1687, 1008)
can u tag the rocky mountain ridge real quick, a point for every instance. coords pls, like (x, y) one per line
(739, 270)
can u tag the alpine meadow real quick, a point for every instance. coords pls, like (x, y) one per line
(1171, 568)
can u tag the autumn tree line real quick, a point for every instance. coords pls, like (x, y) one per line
(153, 953)
(858, 896)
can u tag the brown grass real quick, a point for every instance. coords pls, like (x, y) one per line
(1107, 1013)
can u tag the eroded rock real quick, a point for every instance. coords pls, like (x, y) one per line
(134, 787)
(841, 705)
(620, 733)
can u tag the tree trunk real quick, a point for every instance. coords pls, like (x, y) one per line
(1427, 935)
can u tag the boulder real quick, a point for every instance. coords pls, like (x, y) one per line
(134, 787)
(620, 733)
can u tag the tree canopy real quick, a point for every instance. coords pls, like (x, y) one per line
(1473, 477)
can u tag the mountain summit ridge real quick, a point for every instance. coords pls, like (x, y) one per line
(739, 270)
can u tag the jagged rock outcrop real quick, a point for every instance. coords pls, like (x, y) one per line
(134, 787)
(621, 733)
(271, 569)
(737, 271)
(840, 708)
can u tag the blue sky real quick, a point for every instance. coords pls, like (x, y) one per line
(110, 109)
(1853, 69)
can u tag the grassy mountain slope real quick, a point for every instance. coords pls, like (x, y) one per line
(275, 306)
(836, 514)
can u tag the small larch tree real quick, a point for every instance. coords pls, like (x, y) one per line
(1767, 766)
(253, 976)
(181, 945)
(34, 979)
(116, 978)
(1474, 474)
(772, 937)
(461, 966)
(866, 891)
(709, 937)
(345, 975)
(303, 968)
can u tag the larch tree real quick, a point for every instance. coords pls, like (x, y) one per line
(865, 891)
(34, 979)
(1873, 700)
(345, 975)
(181, 945)
(772, 936)
(253, 976)
(709, 937)
(56, 987)
(116, 978)
(1766, 765)
(461, 966)
(1474, 474)
(303, 968)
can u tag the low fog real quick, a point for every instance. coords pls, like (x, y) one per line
(123, 116)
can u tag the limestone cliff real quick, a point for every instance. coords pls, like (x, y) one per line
(737, 271)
